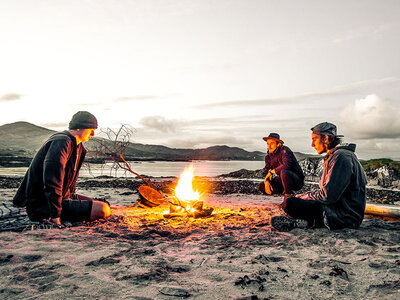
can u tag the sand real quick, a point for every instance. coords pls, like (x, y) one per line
(234, 254)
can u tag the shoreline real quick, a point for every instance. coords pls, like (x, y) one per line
(213, 185)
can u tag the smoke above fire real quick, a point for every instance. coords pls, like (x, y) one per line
(371, 117)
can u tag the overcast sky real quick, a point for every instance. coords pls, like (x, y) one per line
(197, 73)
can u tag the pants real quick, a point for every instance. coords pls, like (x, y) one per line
(285, 183)
(310, 210)
(75, 208)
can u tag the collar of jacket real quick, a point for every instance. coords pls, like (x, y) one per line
(70, 136)
(346, 146)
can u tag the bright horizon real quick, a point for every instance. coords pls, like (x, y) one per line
(193, 74)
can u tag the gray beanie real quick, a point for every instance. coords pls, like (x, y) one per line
(83, 120)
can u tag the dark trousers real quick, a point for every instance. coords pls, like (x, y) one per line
(309, 210)
(75, 208)
(285, 183)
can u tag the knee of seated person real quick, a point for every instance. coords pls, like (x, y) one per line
(284, 173)
(100, 210)
(106, 210)
(288, 205)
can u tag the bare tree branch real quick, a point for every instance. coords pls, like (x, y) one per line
(112, 148)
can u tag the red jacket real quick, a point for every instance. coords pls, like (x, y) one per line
(282, 159)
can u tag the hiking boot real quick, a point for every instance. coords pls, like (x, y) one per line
(283, 223)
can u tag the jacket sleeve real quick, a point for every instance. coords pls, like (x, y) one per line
(339, 175)
(287, 159)
(53, 174)
(268, 165)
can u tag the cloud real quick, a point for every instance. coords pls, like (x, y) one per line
(336, 91)
(135, 98)
(161, 124)
(362, 32)
(10, 97)
(371, 117)
(378, 148)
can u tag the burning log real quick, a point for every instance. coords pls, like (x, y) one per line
(186, 202)
(179, 209)
(201, 214)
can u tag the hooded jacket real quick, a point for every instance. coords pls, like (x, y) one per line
(342, 188)
(282, 159)
(51, 177)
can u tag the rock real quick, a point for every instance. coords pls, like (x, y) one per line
(243, 173)
(385, 176)
(313, 168)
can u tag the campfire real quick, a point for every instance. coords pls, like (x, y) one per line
(187, 200)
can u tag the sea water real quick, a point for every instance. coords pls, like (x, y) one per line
(158, 168)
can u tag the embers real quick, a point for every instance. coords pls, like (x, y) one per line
(192, 209)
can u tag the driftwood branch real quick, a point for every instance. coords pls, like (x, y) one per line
(112, 148)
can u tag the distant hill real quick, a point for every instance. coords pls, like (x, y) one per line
(23, 139)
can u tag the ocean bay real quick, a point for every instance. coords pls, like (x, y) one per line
(157, 168)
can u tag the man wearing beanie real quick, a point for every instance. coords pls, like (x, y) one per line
(340, 200)
(48, 188)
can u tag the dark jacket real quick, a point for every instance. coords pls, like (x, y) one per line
(282, 159)
(342, 188)
(51, 177)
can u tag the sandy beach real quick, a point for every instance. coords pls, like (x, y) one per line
(234, 254)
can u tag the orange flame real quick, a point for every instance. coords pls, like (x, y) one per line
(184, 189)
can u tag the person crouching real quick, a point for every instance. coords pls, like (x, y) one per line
(283, 174)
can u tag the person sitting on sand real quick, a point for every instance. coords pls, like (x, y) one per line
(340, 200)
(283, 174)
(48, 188)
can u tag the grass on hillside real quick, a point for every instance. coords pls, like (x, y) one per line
(373, 164)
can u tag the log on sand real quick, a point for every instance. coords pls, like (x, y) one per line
(383, 210)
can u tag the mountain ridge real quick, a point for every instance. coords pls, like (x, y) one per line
(23, 139)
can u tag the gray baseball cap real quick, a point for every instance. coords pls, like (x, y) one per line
(326, 128)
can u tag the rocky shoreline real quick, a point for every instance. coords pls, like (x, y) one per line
(240, 182)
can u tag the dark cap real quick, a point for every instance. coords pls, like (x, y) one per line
(273, 136)
(325, 128)
(83, 120)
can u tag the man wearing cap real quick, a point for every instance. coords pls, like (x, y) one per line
(340, 200)
(48, 188)
(283, 174)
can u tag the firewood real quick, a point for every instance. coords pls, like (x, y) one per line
(198, 205)
(202, 213)
(173, 215)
